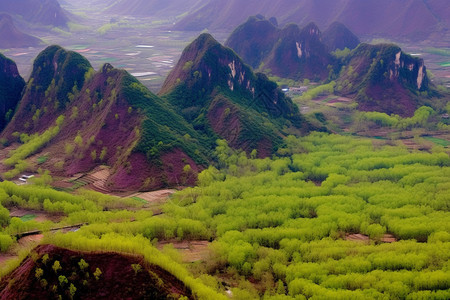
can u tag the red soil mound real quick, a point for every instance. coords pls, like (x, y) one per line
(121, 277)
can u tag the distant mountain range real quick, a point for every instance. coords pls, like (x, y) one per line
(379, 77)
(11, 37)
(45, 12)
(152, 8)
(416, 19)
(290, 52)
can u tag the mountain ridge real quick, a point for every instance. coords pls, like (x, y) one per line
(45, 12)
(105, 117)
(210, 81)
(11, 37)
(415, 19)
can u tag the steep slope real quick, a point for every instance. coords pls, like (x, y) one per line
(11, 37)
(338, 36)
(253, 40)
(11, 86)
(116, 279)
(153, 8)
(299, 54)
(290, 52)
(383, 78)
(109, 118)
(46, 12)
(415, 19)
(212, 88)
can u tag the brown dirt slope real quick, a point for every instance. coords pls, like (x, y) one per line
(120, 277)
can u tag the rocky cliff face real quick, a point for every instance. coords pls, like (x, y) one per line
(299, 53)
(291, 52)
(11, 86)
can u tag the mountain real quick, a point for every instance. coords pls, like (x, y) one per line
(115, 273)
(290, 52)
(45, 12)
(299, 53)
(11, 37)
(11, 86)
(414, 19)
(253, 40)
(221, 96)
(104, 118)
(338, 36)
(152, 8)
(383, 78)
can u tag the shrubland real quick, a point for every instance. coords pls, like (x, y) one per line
(280, 227)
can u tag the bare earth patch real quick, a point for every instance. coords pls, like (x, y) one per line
(158, 197)
(388, 238)
(190, 251)
(358, 237)
(41, 216)
(4, 257)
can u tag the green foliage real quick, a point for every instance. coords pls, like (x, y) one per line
(136, 268)
(72, 290)
(35, 143)
(420, 118)
(163, 129)
(5, 242)
(38, 273)
(285, 217)
(324, 89)
(56, 266)
(78, 140)
(285, 222)
(97, 273)
(83, 264)
(4, 216)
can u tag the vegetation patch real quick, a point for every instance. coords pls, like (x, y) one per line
(42, 159)
(139, 200)
(442, 142)
(27, 218)
(279, 227)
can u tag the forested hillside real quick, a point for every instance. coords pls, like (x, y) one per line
(221, 96)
